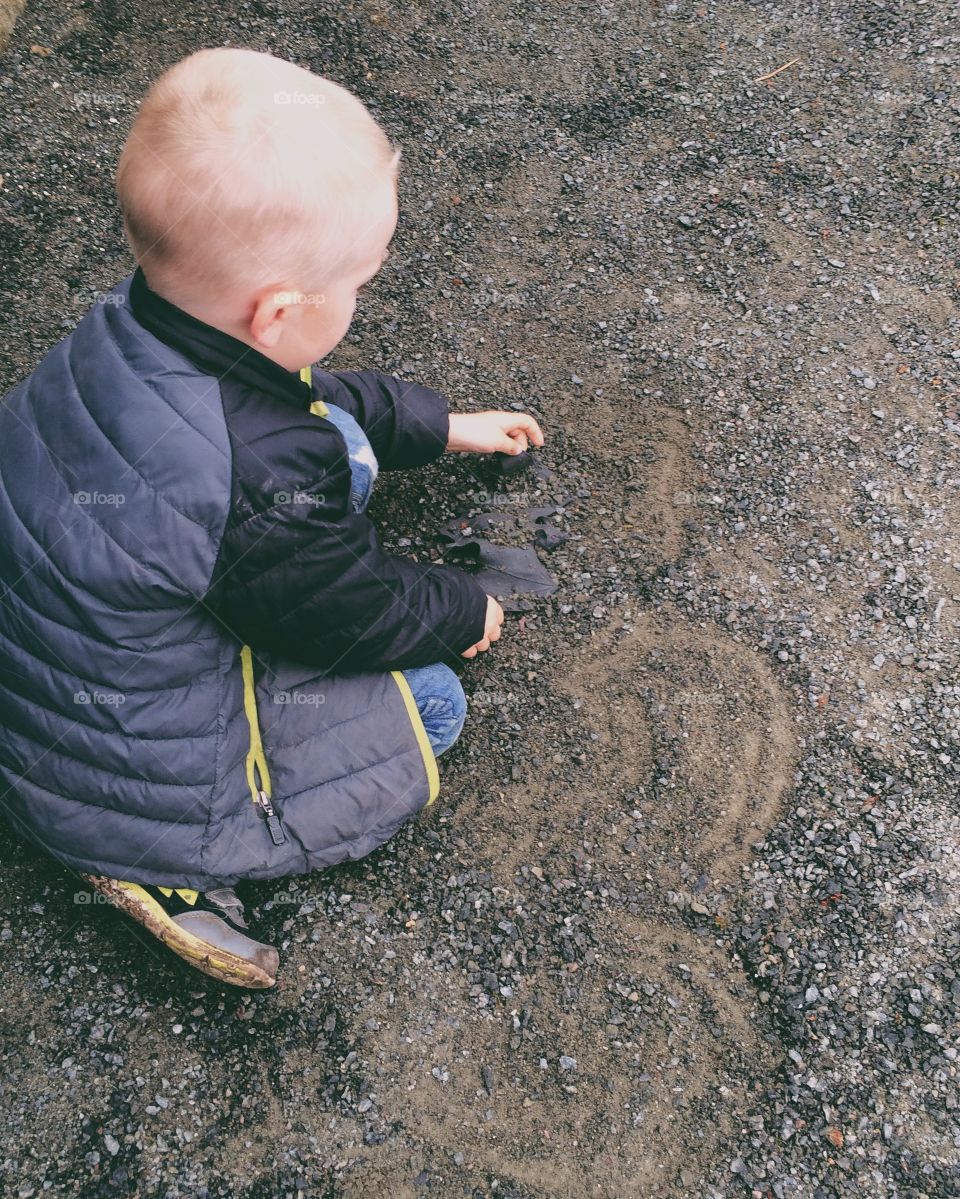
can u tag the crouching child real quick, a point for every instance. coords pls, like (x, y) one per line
(210, 669)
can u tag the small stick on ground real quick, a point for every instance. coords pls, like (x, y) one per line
(770, 74)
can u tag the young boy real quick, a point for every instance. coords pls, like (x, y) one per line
(210, 670)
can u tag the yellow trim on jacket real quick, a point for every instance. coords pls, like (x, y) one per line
(426, 749)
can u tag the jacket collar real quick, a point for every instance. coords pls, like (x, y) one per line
(210, 349)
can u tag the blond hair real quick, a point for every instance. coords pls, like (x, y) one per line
(243, 170)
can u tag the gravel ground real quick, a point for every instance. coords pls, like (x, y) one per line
(685, 920)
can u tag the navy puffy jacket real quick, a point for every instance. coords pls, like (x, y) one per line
(193, 622)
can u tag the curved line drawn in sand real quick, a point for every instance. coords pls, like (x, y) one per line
(689, 751)
(665, 489)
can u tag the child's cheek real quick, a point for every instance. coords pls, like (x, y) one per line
(332, 321)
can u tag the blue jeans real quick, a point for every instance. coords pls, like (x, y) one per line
(436, 689)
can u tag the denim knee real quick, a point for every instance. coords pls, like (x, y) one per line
(441, 703)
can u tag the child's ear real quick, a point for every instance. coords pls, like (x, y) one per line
(271, 309)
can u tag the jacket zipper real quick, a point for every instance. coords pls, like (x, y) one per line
(258, 775)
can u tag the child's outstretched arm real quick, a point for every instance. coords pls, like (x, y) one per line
(405, 422)
(409, 425)
(310, 580)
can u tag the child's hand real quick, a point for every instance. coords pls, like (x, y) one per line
(491, 631)
(493, 432)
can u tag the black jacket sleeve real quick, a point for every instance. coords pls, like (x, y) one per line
(300, 573)
(408, 425)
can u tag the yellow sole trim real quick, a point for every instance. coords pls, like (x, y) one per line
(426, 749)
(142, 907)
(185, 893)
